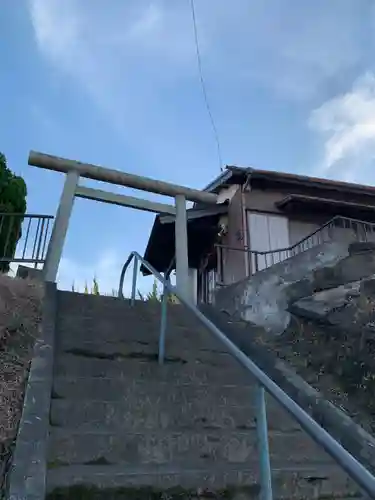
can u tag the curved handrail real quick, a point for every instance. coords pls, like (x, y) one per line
(351, 465)
(148, 266)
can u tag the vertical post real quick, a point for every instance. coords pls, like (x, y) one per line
(218, 266)
(193, 280)
(163, 325)
(182, 264)
(264, 455)
(60, 227)
(38, 256)
(134, 281)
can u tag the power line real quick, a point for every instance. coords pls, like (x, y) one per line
(214, 129)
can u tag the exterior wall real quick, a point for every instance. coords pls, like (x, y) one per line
(234, 261)
(300, 226)
(263, 201)
(227, 193)
(299, 229)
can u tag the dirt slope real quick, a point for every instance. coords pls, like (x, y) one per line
(20, 319)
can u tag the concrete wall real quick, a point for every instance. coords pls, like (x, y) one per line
(263, 298)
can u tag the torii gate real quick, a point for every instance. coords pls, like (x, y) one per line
(75, 169)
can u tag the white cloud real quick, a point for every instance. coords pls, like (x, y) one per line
(346, 126)
(57, 28)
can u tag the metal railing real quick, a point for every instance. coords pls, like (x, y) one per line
(335, 229)
(364, 479)
(24, 237)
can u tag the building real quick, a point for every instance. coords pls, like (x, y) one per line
(262, 217)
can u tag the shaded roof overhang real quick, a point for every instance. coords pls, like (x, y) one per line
(299, 203)
(202, 231)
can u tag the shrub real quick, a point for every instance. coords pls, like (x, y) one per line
(13, 194)
(157, 296)
(153, 295)
(94, 290)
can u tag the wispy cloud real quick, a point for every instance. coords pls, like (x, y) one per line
(100, 48)
(346, 126)
(293, 49)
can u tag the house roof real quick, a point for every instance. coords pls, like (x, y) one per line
(160, 246)
(239, 175)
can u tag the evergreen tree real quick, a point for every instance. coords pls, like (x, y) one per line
(13, 194)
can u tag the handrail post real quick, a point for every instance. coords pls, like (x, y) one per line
(39, 244)
(163, 324)
(134, 281)
(263, 449)
(182, 262)
(60, 227)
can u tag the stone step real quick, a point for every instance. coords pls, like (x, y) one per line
(137, 331)
(78, 300)
(105, 325)
(148, 351)
(145, 415)
(82, 306)
(151, 393)
(208, 367)
(295, 481)
(184, 449)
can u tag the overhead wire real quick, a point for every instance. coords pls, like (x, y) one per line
(203, 85)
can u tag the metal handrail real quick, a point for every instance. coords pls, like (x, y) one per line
(30, 246)
(291, 247)
(263, 259)
(351, 465)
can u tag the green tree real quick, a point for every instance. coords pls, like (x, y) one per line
(13, 194)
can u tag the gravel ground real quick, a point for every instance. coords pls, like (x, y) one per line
(20, 320)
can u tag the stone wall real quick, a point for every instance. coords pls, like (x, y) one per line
(317, 313)
(264, 298)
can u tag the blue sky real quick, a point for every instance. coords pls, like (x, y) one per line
(291, 87)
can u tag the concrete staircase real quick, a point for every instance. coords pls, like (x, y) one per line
(121, 426)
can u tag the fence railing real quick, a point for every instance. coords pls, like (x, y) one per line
(24, 238)
(364, 479)
(336, 229)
